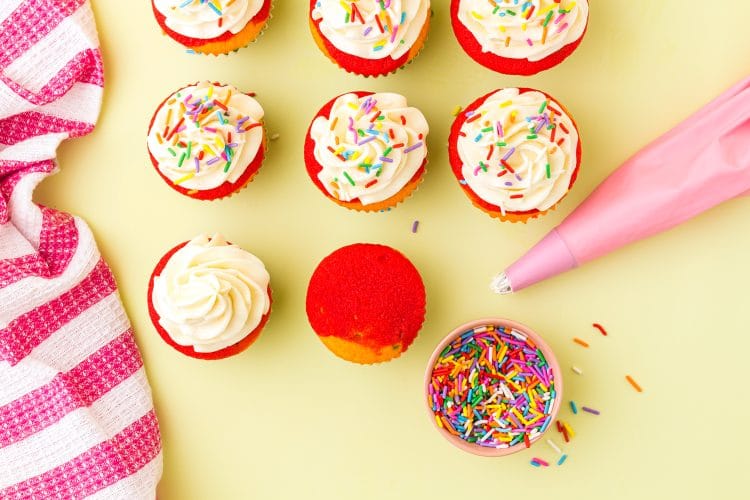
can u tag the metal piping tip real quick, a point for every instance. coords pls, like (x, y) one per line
(501, 284)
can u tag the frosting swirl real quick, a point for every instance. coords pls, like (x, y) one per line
(205, 135)
(369, 147)
(529, 29)
(519, 150)
(210, 19)
(211, 294)
(372, 29)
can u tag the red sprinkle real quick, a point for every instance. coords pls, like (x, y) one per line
(600, 328)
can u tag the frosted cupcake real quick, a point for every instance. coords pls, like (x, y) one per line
(212, 26)
(367, 151)
(209, 299)
(370, 37)
(519, 37)
(516, 153)
(207, 140)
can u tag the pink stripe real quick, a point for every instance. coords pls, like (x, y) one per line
(78, 388)
(8, 182)
(85, 67)
(29, 330)
(29, 23)
(57, 244)
(99, 467)
(23, 126)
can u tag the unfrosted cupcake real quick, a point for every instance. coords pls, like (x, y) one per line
(207, 140)
(212, 26)
(209, 299)
(519, 37)
(370, 37)
(366, 303)
(516, 153)
(367, 151)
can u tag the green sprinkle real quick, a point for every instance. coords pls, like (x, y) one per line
(387, 151)
(548, 171)
(182, 159)
(172, 151)
(189, 148)
(348, 178)
(542, 107)
(547, 19)
(531, 137)
(226, 167)
(488, 129)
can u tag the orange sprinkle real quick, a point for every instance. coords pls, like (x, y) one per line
(633, 383)
(580, 342)
(334, 122)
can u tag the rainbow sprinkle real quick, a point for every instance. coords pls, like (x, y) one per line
(492, 386)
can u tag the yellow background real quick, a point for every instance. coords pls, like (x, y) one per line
(286, 419)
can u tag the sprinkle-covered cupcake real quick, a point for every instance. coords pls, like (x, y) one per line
(209, 299)
(212, 26)
(519, 37)
(366, 303)
(207, 140)
(370, 37)
(367, 151)
(515, 152)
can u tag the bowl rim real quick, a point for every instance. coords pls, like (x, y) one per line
(541, 344)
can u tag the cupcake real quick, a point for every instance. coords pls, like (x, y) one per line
(209, 299)
(366, 303)
(519, 37)
(367, 151)
(207, 140)
(515, 152)
(369, 37)
(212, 26)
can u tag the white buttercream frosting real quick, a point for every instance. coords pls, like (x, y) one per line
(205, 135)
(369, 147)
(519, 150)
(524, 29)
(211, 294)
(207, 19)
(372, 29)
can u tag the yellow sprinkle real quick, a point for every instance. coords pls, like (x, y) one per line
(437, 420)
(456, 110)
(523, 27)
(505, 104)
(571, 434)
(476, 15)
(185, 178)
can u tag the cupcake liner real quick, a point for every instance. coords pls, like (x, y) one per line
(409, 57)
(506, 65)
(218, 191)
(406, 192)
(196, 49)
(237, 348)
(493, 210)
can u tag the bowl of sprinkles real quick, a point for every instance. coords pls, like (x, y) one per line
(493, 387)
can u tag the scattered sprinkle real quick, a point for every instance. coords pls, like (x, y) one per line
(573, 407)
(415, 226)
(580, 342)
(600, 328)
(590, 410)
(632, 382)
(562, 459)
(576, 370)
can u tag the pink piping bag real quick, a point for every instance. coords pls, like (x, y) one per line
(699, 164)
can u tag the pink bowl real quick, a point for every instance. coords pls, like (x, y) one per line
(540, 343)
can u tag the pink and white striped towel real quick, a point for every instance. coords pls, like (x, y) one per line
(76, 416)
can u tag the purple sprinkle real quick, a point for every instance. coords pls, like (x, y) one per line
(365, 141)
(367, 31)
(415, 226)
(509, 154)
(508, 183)
(232, 145)
(243, 120)
(590, 410)
(212, 160)
(412, 148)
(383, 158)
(197, 165)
